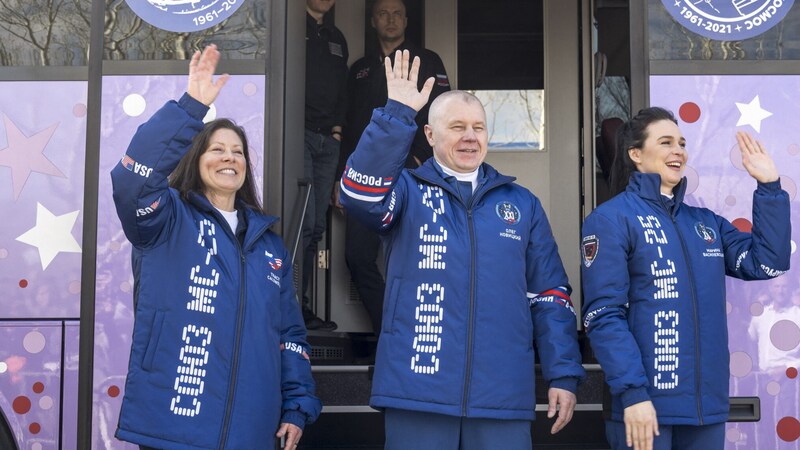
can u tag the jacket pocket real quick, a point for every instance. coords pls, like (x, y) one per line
(152, 344)
(390, 306)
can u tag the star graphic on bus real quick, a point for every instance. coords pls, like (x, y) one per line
(25, 154)
(52, 234)
(752, 114)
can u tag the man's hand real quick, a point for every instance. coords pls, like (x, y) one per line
(201, 76)
(335, 198)
(563, 402)
(292, 433)
(401, 81)
(640, 425)
(756, 159)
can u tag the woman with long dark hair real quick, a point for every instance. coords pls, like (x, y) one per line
(219, 350)
(654, 286)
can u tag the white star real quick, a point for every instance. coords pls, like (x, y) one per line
(52, 234)
(752, 114)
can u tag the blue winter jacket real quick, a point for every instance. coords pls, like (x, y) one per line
(654, 294)
(219, 353)
(469, 286)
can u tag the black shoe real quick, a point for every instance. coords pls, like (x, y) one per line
(315, 323)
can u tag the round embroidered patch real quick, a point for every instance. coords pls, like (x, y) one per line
(508, 212)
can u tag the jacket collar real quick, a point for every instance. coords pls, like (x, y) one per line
(405, 45)
(648, 186)
(254, 220)
(488, 177)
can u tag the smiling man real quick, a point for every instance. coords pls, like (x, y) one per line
(473, 279)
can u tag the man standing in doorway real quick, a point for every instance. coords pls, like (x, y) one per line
(326, 89)
(366, 87)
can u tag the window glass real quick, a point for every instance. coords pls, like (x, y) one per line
(44, 32)
(514, 118)
(501, 61)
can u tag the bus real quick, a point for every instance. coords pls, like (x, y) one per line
(78, 76)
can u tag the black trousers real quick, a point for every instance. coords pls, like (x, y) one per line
(361, 253)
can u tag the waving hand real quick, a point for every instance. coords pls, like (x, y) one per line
(756, 159)
(401, 81)
(201, 76)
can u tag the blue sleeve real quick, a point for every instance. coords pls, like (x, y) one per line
(554, 320)
(370, 188)
(142, 197)
(300, 405)
(605, 248)
(765, 252)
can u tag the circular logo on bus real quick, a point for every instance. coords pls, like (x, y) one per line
(728, 20)
(184, 15)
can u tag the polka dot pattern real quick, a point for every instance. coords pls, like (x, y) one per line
(79, 110)
(134, 105)
(46, 402)
(33, 342)
(689, 112)
(785, 335)
(211, 114)
(692, 180)
(789, 186)
(21, 405)
(743, 225)
(250, 89)
(741, 364)
(733, 435)
(788, 429)
(773, 388)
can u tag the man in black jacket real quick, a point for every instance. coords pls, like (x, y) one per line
(366, 90)
(326, 90)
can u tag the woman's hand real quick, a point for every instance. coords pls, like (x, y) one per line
(401, 81)
(201, 76)
(756, 159)
(292, 433)
(641, 425)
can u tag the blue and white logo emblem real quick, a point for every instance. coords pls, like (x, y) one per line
(184, 15)
(707, 234)
(728, 20)
(507, 212)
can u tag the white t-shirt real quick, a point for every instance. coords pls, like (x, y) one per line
(232, 217)
(472, 177)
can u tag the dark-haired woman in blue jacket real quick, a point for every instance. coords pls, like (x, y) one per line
(219, 352)
(654, 286)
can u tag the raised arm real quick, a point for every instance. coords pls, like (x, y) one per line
(369, 188)
(141, 191)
